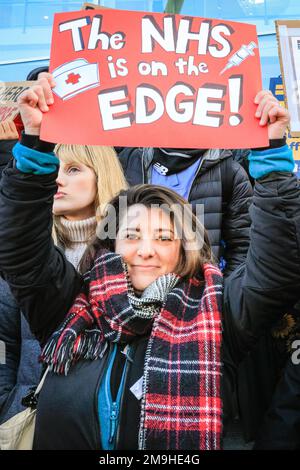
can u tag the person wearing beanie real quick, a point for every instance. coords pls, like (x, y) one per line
(34, 73)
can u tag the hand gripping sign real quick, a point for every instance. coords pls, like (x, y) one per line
(138, 79)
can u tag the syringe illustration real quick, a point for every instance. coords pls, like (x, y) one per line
(238, 57)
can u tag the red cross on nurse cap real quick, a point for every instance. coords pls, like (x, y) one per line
(75, 77)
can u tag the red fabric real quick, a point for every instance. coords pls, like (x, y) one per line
(19, 125)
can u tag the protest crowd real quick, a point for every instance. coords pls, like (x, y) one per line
(148, 324)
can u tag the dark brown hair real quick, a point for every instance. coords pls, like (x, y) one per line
(195, 246)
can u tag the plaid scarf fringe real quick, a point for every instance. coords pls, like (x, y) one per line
(88, 346)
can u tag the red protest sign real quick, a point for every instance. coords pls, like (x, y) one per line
(141, 79)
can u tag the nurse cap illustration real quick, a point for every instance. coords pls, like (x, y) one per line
(75, 77)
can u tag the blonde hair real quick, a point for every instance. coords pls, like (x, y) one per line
(109, 176)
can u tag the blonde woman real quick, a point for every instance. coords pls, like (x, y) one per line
(88, 177)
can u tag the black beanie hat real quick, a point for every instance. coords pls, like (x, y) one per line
(33, 75)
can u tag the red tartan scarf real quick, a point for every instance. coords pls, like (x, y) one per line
(181, 404)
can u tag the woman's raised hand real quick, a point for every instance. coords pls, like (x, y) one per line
(271, 114)
(34, 102)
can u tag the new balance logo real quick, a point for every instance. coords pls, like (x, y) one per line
(162, 170)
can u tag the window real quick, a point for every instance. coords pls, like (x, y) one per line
(25, 26)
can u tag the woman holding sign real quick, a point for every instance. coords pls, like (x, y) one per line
(134, 344)
(89, 176)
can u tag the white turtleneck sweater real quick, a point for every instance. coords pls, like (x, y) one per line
(79, 233)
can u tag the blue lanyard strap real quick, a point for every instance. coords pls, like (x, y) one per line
(115, 406)
(109, 410)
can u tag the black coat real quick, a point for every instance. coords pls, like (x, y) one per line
(5, 152)
(46, 284)
(223, 187)
(281, 426)
(20, 370)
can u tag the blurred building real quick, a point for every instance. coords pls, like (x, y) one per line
(25, 26)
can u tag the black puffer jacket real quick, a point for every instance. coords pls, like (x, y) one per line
(226, 198)
(46, 284)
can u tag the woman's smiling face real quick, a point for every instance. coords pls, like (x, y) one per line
(146, 240)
